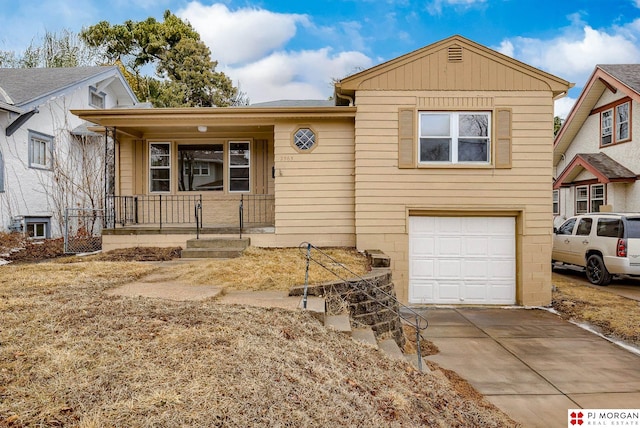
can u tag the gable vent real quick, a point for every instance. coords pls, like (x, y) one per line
(455, 54)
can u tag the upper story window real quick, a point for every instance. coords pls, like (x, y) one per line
(96, 98)
(160, 167)
(455, 137)
(615, 123)
(40, 150)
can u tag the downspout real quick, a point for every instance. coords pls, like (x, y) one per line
(346, 97)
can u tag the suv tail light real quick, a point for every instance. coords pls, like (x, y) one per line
(621, 248)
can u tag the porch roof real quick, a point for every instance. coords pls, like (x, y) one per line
(141, 122)
(605, 169)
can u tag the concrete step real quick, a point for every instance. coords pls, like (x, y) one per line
(340, 323)
(205, 253)
(364, 335)
(315, 306)
(219, 243)
(391, 348)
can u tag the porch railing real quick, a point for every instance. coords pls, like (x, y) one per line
(160, 210)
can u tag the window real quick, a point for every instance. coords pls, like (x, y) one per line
(556, 202)
(584, 226)
(160, 167)
(567, 227)
(609, 227)
(458, 137)
(590, 198)
(304, 139)
(597, 197)
(37, 227)
(40, 150)
(96, 99)
(239, 164)
(615, 124)
(622, 122)
(582, 199)
(201, 167)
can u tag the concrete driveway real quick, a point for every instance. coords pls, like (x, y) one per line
(532, 364)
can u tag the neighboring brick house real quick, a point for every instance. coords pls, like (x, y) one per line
(49, 160)
(440, 158)
(595, 156)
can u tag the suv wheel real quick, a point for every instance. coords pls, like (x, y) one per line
(597, 272)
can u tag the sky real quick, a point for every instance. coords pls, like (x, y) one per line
(280, 49)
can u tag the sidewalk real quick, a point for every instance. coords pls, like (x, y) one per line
(532, 364)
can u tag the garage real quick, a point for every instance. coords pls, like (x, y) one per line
(462, 260)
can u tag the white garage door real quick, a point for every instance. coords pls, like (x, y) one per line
(462, 260)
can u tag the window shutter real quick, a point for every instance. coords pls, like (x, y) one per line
(406, 138)
(503, 138)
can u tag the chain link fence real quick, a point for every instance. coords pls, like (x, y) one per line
(83, 230)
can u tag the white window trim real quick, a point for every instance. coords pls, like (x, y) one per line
(592, 197)
(606, 128)
(94, 91)
(454, 135)
(581, 199)
(163, 167)
(40, 139)
(556, 202)
(231, 167)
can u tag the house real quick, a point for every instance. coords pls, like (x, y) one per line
(49, 161)
(595, 157)
(440, 158)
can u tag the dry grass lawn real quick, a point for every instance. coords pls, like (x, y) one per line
(616, 317)
(72, 356)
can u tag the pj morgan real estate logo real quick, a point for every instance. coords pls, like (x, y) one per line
(603, 418)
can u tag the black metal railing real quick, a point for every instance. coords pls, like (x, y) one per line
(256, 211)
(157, 210)
(388, 301)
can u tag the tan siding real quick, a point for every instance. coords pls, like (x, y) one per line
(384, 193)
(436, 72)
(315, 190)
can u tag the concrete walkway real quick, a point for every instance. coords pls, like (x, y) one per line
(532, 364)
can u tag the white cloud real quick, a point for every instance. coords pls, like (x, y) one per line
(243, 35)
(506, 47)
(574, 55)
(250, 45)
(296, 75)
(563, 106)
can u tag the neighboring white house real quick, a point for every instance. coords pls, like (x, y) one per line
(596, 159)
(49, 160)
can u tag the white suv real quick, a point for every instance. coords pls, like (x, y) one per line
(604, 244)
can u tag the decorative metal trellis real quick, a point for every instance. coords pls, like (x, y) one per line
(83, 230)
